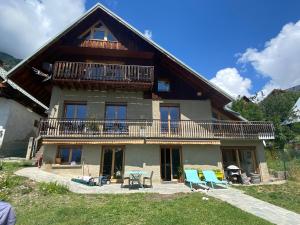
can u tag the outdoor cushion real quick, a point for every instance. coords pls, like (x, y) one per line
(210, 177)
(191, 177)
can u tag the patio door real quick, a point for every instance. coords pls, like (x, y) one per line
(170, 118)
(115, 118)
(170, 163)
(112, 162)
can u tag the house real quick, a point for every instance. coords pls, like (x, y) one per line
(118, 102)
(19, 116)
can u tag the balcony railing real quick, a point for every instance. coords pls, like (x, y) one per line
(102, 44)
(184, 129)
(81, 71)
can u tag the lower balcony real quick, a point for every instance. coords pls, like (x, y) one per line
(154, 129)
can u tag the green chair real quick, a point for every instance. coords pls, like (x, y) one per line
(191, 177)
(210, 177)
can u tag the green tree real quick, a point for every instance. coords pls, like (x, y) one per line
(248, 110)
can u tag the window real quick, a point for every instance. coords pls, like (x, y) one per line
(163, 86)
(98, 32)
(75, 111)
(69, 154)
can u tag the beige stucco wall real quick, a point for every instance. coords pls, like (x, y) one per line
(18, 122)
(201, 156)
(259, 152)
(137, 106)
(143, 157)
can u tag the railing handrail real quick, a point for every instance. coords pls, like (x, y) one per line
(106, 64)
(155, 128)
(212, 120)
(93, 71)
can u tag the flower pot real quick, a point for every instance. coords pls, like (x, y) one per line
(58, 160)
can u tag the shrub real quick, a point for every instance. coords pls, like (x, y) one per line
(294, 170)
(52, 188)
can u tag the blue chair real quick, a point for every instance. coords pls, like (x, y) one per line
(210, 177)
(191, 177)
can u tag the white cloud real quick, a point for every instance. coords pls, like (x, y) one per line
(148, 33)
(232, 82)
(26, 25)
(279, 60)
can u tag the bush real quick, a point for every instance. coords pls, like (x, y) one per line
(294, 170)
(52, 188)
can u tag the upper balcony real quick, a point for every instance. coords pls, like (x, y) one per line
(103, 76)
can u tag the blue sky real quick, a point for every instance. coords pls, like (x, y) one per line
(208, 35)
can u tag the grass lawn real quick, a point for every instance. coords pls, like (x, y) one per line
(46, 204)
(284, 195)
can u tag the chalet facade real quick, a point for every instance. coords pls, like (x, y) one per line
(117, 102)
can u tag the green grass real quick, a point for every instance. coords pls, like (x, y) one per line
(284, 195)
(57, 206)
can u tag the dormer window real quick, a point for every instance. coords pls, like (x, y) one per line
(163, 86)
(98, 32)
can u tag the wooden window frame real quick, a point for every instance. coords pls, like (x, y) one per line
(171, 164)
(73, 103)
(113, 148)
(70, 149)
(102, 28)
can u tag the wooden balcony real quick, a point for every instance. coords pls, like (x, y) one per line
(155, 129)
(103, 76)
(102, 44)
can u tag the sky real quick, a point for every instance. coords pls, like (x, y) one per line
(243, 46)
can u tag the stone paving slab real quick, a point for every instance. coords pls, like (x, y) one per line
(39, 175)
(262, 209)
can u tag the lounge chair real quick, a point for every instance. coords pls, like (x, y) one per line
(210, 177)
(191, 177)
(148, 178)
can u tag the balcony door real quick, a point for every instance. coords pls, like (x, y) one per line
(115, 118)
(74, 114)
(112, 162)
(170, 158)
(75, 111)
(170, 118)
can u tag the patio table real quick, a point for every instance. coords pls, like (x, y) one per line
(135, 177)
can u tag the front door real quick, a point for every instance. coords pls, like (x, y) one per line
(170, 163)
(112, 162)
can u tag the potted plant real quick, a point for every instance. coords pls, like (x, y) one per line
(180, 174)
(57, 160)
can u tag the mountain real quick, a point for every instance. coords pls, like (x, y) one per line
(295, 88)
(8, 61)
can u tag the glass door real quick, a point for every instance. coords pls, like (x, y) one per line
(112, 162)
(170, 118)
(170, 163)
(115, 118)
(74, 115)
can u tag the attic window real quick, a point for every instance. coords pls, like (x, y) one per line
(163, 86)
(98, 32)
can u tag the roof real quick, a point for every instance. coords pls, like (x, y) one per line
(296, 109)
(3, 76)
(134, 30)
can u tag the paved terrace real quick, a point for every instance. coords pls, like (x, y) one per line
(237, 198)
